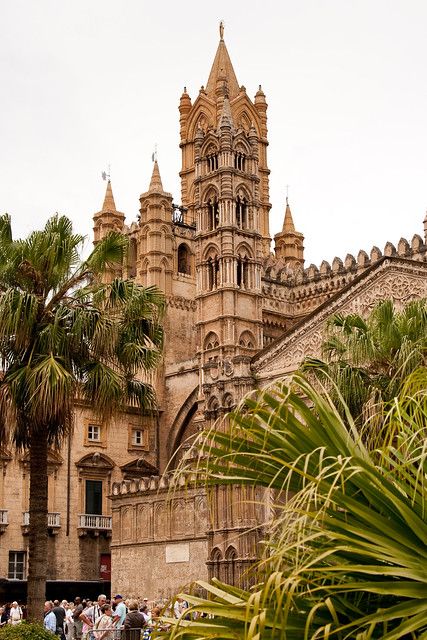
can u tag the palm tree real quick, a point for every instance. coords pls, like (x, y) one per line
(346, 553)
(367, 359)
(63, 333)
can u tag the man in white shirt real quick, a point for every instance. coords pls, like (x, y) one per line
(91, 614)
(15, 613)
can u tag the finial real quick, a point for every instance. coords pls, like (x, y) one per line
(154, 154)
(107, 174)
(287, 194)
(221, 30)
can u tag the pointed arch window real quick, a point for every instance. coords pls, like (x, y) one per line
(239, 161)
(132, 256)
(212, 162)
(241, 212)
(213, 273)
(231, 561)
(213, 213)
(242, 272)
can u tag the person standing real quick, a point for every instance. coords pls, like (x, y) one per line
(49, 622)
(119, 612)
(133, 623)
(104, 628)
(91, 615)
(15, 614)
(60, 614)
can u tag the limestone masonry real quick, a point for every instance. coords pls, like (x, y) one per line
(238, 317)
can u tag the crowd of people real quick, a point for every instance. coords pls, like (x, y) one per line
(118, 619)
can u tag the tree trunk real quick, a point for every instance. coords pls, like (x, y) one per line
(37, 558)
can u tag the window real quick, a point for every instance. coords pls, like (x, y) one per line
(17, 561)
(94, 434)
(93, 497)
(184, 260)
(138, 438)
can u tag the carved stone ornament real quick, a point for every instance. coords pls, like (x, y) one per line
(397, 281)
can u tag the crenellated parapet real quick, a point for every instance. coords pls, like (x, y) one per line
(304, 289)
(153, 484)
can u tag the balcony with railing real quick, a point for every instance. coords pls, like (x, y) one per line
(53, 522)
(3, 520)
(94, 524)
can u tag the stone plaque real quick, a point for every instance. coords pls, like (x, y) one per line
(177, 552)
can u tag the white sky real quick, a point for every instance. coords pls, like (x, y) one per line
(85, 83)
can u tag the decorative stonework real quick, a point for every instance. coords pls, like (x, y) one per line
(398, 280)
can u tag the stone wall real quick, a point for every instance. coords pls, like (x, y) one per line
(159, 537)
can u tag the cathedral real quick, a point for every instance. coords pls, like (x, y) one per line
(242, 311)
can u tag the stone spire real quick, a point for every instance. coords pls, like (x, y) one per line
(108, 219)
(156, 181)
(222, 70)
(109, 204)
(288, 223)
(289, 244)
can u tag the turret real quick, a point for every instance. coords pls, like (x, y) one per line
(108, 219)
(288, 243)
(157, 237)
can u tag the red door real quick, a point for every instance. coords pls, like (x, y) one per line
(105, 567)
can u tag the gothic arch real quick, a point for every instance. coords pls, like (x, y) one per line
(203, 116)
(181, 422)
(242, 192)
(210, 145)
(211, 251)
(241, 145)
(210, 192)
(247, 340)
(211, 341)
(228, 401)
(244, 251)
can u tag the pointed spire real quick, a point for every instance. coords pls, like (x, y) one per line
(109, 204)
(222, 69)
(156, 181)
(288, 223)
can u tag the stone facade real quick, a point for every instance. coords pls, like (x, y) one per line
(238, 317)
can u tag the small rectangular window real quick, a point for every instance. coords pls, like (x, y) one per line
(93, 432)
(17, 562)
(137, 437)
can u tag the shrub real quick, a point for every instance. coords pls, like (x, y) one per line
(25, 631)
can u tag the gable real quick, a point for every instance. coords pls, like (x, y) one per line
(392, 278)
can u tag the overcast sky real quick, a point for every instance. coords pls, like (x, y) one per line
(85, 83)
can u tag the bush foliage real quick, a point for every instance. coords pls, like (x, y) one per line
(24, 631)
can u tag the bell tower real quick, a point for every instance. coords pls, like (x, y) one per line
(224, 182)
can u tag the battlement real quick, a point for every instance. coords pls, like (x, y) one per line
(152, 484)
(279, 271)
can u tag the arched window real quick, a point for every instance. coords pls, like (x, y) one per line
(184, 259)
(241, 212)
(212, 162)
(213, 273)
(211, 341)
(239, 161)
(213, 213)
(231, 558)
(216, 559)
(243, 273)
